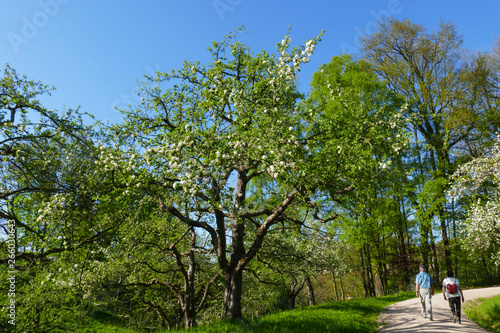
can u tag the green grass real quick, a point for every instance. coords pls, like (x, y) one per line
(347, 316)
(485, 312)
(358, 316)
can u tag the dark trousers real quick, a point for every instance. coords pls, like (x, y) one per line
(455, 306)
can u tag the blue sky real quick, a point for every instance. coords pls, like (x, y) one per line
(94, 52)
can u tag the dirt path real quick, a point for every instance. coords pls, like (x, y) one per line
(405, 316)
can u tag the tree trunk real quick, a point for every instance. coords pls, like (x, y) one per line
(189, 321)
(161, 316)
(232, 275)
(404, 252)
(335, 284)
(381, 281)
(291, 300)
(424, 243)
(369, 271)
(386, 273)
(293, 290)
(484, 265)
(435, 259)
(363, 274)
(190, 299)
(455, 254)
(342, 294)
(232, 295)
(446, 241)
(405, 266)
(310, 291)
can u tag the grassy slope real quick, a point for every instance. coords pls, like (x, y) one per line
(485, 312)
(347, 316)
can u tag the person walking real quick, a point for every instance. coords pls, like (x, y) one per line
(425, 289)
(452, 291)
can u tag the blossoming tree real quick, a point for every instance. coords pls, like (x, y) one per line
(46, 160)
(209, 131)
(480, 179)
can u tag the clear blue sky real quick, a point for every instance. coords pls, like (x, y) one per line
(94, 52)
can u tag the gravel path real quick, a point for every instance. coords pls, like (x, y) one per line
(405, 316)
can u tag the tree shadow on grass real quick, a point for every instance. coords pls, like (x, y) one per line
(357, 316)
(493, 311)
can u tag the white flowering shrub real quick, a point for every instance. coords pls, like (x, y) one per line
(479, 180)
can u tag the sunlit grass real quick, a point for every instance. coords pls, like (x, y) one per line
(346, 316)
(485, 312)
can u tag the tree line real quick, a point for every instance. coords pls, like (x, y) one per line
(227, 192)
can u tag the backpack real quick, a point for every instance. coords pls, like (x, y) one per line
(452, 288)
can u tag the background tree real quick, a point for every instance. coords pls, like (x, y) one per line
(428, 70)
(354, 101)
(291, 258)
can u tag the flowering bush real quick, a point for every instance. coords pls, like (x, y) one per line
(482, 225)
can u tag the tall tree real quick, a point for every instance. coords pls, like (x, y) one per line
(354, 101)
(429, 71)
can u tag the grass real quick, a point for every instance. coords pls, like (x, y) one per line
(485, 312)
(346, 316)
(358, 316)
